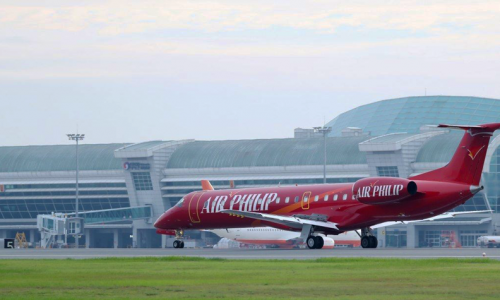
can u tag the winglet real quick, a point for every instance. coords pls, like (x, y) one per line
(206, 186)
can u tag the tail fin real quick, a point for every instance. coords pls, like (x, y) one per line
(467, 163)
(206, 185)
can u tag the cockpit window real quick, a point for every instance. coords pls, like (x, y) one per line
(179, 204)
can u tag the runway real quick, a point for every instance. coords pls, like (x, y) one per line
(298, 254)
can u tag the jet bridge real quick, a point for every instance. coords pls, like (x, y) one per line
(58, 225)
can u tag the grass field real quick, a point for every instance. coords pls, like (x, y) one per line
(195, 278)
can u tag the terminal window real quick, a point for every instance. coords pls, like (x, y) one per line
(142, 181)
(391, 171)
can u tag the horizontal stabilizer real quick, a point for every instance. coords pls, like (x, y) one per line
(489, 127)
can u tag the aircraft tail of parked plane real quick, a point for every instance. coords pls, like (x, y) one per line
(467, 163)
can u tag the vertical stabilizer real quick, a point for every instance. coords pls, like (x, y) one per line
(467, 163)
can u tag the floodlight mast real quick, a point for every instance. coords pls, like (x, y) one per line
(325, 131)
(76, 137)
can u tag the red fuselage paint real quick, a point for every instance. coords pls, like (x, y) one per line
(202, 210)
(350, 206)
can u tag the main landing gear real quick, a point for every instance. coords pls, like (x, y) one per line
(312, 241)
(315, 242)
(368, 240)
(179, 236)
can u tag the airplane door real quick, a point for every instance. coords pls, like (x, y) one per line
(194, 204)
(306, 198)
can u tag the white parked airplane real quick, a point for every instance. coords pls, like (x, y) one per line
(282, 238)
(289, 239)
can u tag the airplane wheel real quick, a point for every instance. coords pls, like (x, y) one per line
(176, 244)
(181, 244)
(319, 242)
(365, 242)
(311, 242)
(373, 242)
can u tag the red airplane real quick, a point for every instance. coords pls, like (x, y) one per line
(331, 209)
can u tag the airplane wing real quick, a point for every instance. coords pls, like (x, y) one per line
(294, 222)
(445, 215)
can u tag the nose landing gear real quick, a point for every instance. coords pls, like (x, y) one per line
(368, 240)
(178, 244)
(179, 236)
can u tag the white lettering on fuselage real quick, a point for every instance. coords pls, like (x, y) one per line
(248, 202)
(379, 191)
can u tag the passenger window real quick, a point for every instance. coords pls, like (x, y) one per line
(344, 197)
(335, 197)
(296, 199)
(306, 198)
(316, 198)
(287, 199)
(326, 197)
(353, 198)
(278, 200)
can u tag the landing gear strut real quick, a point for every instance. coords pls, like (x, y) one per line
(312, 241)
(368, 240)
(179, 236)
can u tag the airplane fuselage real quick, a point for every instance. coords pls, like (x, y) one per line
(333, 202)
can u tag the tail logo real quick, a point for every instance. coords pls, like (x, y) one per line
(473, 155)
(373, 184)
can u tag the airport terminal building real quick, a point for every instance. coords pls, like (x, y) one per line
(384, 138)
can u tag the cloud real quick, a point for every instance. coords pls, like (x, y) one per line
(124, 17)
(120, 38)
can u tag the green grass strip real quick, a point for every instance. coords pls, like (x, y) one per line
(196, 278)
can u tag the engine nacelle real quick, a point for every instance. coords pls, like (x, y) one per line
(383, 190)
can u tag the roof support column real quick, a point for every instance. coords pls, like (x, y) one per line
(87, 238)
(164, 240)
(411, 236)
(115, 238)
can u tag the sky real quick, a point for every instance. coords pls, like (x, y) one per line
(133, 71)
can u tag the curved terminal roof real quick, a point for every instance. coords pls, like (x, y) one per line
(59, 158)
(264, 153)
(410, 113)
(440, 148)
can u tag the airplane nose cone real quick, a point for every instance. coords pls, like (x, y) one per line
(162, 220)
(158, 222)
(167, 220)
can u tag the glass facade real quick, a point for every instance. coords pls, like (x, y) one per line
(26, 201)
(468, 238)
(478, 202)
(388, 171)
(116, 215)
(142, 181)
(30, 208)
(492, 180)
(396, 239)
(447, 238)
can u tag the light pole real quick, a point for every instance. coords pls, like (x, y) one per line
(76, 137)
(325, 131)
